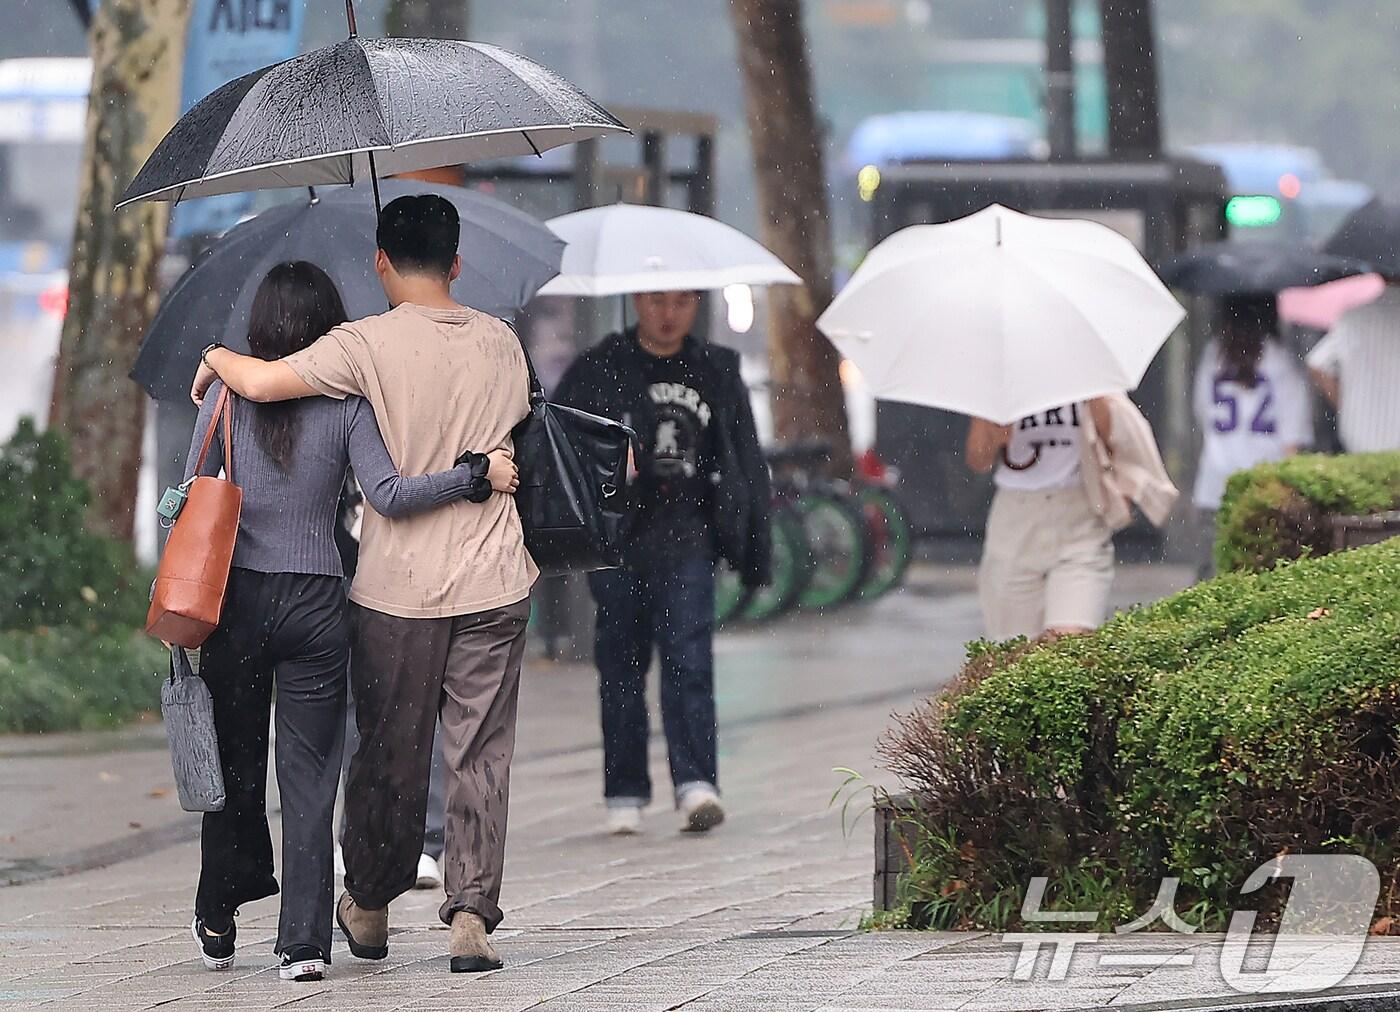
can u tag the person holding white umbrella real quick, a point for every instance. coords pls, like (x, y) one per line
(700, 493)
(1034, 327)
(1047, 557)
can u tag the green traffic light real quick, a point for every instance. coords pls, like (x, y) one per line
(1253, 211)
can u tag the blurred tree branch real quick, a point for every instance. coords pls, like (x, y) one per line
(787, 143)
(137, 49)
(428, 19)
(1130, 70)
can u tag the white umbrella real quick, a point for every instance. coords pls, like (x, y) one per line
(1001, 314)
(635, 248)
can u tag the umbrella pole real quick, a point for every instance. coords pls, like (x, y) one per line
(373, 180)
(350, 17)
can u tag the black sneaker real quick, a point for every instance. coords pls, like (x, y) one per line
(215, 949)
(302, 962)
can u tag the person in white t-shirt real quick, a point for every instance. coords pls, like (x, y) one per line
(1357, 368)
(1252, 403)
(1047, 556)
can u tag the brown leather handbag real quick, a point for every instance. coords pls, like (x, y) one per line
(188, 598)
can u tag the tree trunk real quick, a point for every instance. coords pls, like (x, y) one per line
(1130, 70)
(137, 49)
(428, 19)
(787, 147)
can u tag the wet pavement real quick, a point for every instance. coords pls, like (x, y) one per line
(760, 914)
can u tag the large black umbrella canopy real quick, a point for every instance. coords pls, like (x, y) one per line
(1372, 233)
(348, 112)
(506, 256)
(1255, 268)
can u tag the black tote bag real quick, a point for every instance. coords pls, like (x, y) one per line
(572, 496)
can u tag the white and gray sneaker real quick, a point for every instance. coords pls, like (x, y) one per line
(700, 810)
(625, 820)
(429, 874)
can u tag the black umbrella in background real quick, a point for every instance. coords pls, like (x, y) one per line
(1255, 268)
(351, 111)
(506, 256)
(1372, 233)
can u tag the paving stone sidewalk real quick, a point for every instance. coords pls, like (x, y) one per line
(761, 914)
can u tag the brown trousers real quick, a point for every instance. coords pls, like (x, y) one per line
(404, 672)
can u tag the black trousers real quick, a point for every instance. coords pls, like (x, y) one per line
(287, 630)
(668, 603)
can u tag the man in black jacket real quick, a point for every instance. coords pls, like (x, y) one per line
(700, 493)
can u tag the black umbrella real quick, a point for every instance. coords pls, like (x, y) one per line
(1255, 268)
(1372, 234)
(347, 112)
(506, 256)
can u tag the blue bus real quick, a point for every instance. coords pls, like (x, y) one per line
(43, 116)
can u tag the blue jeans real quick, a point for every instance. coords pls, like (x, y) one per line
(668, 603)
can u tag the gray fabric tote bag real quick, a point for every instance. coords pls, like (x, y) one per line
(188, 710)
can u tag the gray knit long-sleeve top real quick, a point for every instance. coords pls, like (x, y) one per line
(288, 520)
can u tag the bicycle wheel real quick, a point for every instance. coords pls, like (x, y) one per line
(891, 541)
(730, 594)
(792, 568)
(836, 531)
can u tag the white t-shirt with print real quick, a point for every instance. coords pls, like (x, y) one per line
(1242, 426)
(1043, 452)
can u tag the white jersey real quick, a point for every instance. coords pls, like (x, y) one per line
(1243, 426)
(1043, 452)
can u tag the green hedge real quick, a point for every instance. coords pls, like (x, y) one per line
(53, 571)
(1283, 510)
(1197, 737)
(65, 678)
(71, 602)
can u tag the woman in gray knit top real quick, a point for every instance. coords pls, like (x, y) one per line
(284, 626)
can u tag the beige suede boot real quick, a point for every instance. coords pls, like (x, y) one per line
(367, 931)
(469, 946)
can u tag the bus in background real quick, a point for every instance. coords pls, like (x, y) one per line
(1282, 192)
(43, 114)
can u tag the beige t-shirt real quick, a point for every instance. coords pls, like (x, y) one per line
(441, 382)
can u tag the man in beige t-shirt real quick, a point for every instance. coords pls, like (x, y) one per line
(440, 600)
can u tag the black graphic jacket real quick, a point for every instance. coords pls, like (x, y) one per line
(608, 380)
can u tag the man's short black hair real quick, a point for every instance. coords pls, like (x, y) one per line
(419, 234)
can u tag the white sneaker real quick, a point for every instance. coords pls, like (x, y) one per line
(625, 820)
(339, 862)
(701, 810)
(429, 874)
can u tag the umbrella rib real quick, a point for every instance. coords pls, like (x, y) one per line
(378, 101)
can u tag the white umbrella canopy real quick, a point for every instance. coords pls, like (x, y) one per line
(1001, 314)
(625, 248)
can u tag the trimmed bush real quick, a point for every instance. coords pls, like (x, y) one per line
(1283, 510)
(65, 678)
(52, 570)
(1198, 737)
(71, 602)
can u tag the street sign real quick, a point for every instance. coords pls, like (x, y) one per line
(227, 39)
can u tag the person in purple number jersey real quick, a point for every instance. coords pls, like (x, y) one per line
(1252, 404)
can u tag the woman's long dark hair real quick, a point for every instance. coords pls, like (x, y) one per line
(295, 304)
(1248, 321)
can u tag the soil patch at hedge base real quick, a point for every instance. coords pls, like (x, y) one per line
(1197, 738)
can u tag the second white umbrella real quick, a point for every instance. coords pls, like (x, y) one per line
(625, 248)
(1002, 314)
